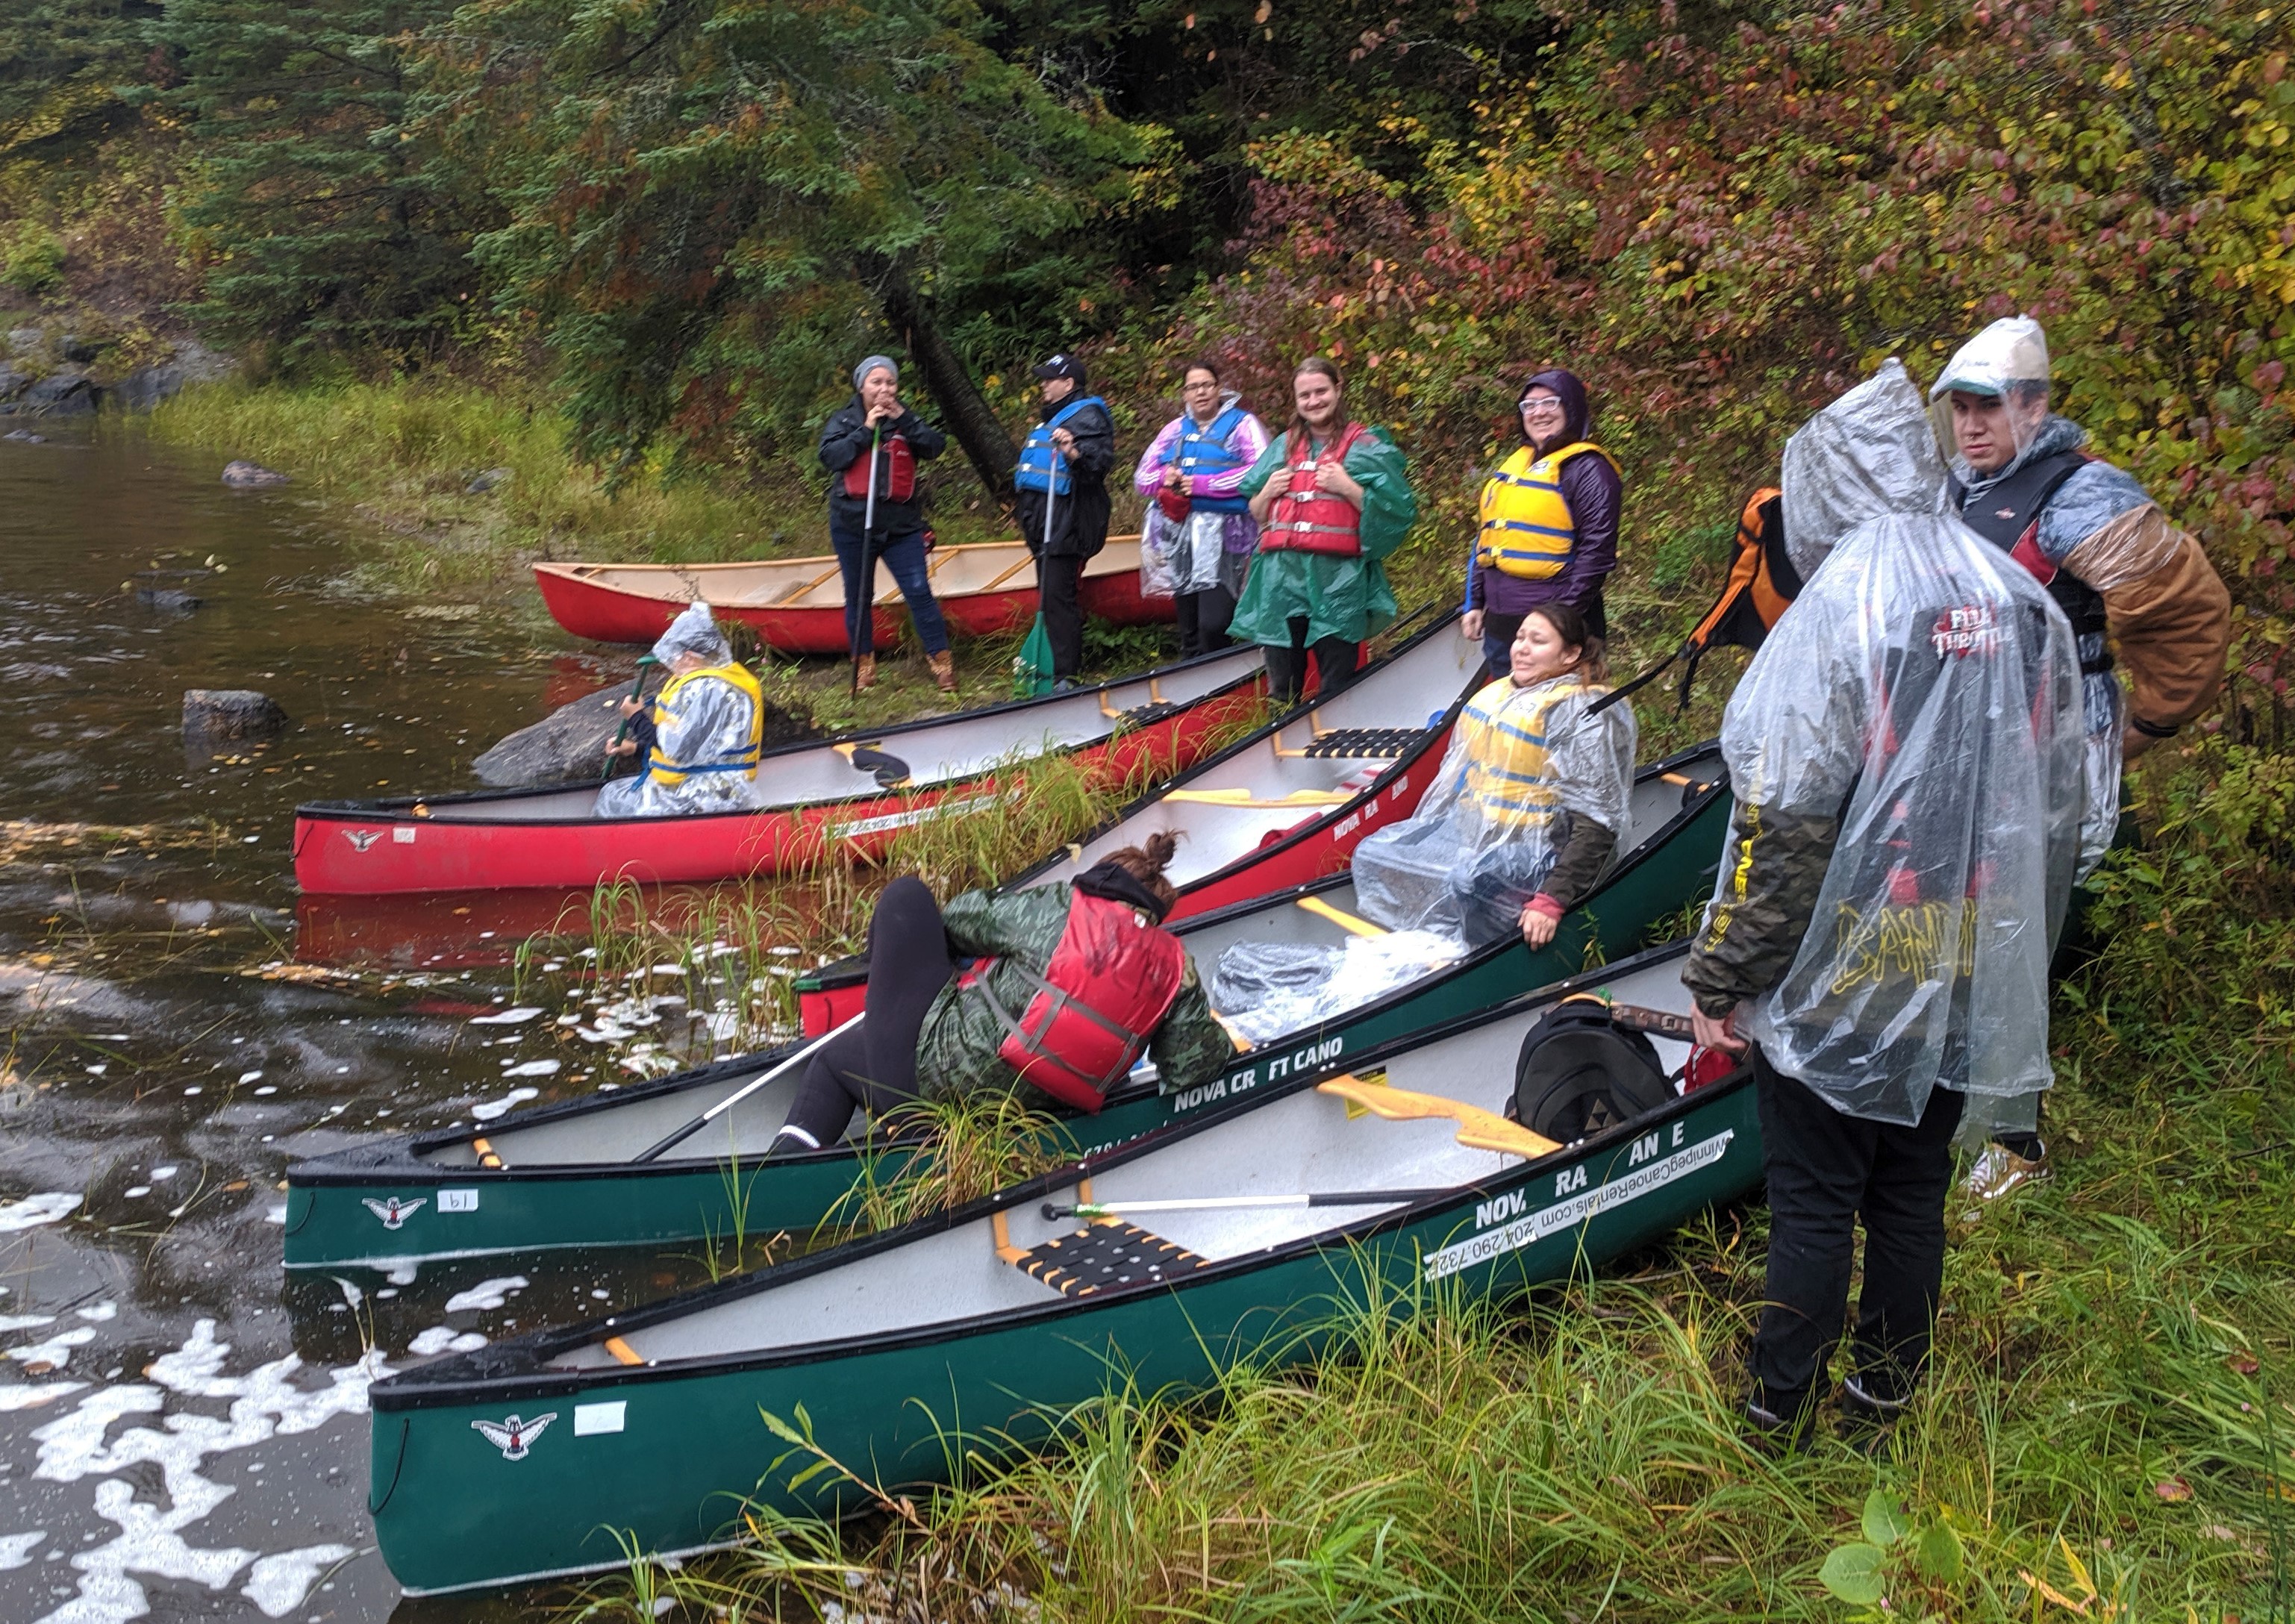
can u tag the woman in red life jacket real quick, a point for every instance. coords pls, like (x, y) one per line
(871, 446)
(1062, 988)
(1332, 498)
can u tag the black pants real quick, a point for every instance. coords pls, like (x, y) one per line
(1825, 1171)
(1287, 668)
(1058, 586)
(874, 1066)
(1203, 620)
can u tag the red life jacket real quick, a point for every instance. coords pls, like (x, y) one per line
(1305, 519)
(900, 481)
(1111, 981)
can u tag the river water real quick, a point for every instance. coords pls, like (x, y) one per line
(183, 1427)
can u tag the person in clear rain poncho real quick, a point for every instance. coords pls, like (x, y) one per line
(1906, 753)
(701, 736)
(1519, 825)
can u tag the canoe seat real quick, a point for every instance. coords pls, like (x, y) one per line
(1106, 1257)
(1365, 744)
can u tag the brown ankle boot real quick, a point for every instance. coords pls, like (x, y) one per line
(943, 670)
(864, 673)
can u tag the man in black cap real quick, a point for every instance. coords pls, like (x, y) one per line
(1062, 503)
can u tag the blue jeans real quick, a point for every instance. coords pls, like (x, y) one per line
(904, 556)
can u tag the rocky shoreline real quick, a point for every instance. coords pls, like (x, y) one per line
(53, 373)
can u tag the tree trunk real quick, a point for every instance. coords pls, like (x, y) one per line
(966, 411)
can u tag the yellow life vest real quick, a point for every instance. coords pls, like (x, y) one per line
(1528, 529)
(744, 759)
(1507, 776)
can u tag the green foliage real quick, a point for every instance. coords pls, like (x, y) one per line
(60, 63)
(1897, 1562)
(324, 223)
(33, 261)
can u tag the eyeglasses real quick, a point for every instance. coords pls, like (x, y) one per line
(1542, 408)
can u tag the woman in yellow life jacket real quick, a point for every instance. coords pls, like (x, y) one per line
(1548, 522)
(1533, 798)
(702, 735)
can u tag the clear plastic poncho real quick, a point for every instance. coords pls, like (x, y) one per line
(1483, 840)
(1923, 689)
(700, 722)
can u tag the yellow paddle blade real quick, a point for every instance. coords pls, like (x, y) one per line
(1478, 1128)
(1341, 917)
(1243, 797)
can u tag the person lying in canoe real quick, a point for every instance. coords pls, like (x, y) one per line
(1061, 987)
(703, 733)
(1521, 820)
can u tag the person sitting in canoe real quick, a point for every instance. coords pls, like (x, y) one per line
(705, 730)
(1520, 821)
(1529, 805)
(1061, 987)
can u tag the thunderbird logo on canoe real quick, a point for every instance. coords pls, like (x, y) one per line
(513, 1435)
(362, 838)
(394, 1211)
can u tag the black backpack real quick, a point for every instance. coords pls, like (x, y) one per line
(1580, 1073)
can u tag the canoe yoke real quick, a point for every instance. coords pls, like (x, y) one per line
(1358, 744)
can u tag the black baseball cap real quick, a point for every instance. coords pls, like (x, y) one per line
(1060, 366)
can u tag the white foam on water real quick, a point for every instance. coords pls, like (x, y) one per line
(518, 1016)
(277, 1584)
(494, 1108)
(245, 1077)
(275, 1213)
(14, 1398)
(402, 1273)
(487, 1293)
(444, 1339)
(56, 1350)
(98, 1312)
(16, 1549)
(531, 1068)
(25, 1322)
(44, 1208)
(265, 1403)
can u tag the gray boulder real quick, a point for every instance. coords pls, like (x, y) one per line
(24, 340)
(492, 478)
(211, 714)
(147, 385)
(569, 745)
(12, 382)
(250, 476)
(62, 394)
(172, 599)
(74, 348)
(26, 436)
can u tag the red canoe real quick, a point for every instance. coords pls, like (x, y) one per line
(858, 791)
(1284, 807)
(797, 605)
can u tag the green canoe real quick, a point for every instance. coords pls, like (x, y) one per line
(568, 1177)
(539, 1457)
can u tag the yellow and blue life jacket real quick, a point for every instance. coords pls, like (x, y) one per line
(743, 758)
(1528, 529)
(1042, 466)
(1507, 779)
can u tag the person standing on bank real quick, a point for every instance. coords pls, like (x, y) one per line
(1907, 760)
(1333, 498)
(1199, 534)
(871, 446)
(1062, 503)
(1549, 520)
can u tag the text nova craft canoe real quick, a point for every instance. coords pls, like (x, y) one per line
(797, 605)
(972, 1330)
(861, 790)
(565, 1175)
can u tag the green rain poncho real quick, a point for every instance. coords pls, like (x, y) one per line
(1346, 598)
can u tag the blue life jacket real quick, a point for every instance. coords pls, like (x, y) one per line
(1041, 467)
(1204, 451)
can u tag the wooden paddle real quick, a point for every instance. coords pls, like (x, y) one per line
(1478, 1128)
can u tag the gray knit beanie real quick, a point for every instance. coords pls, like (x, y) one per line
(861, 373)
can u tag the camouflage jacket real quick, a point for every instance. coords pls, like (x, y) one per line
(956, 1050)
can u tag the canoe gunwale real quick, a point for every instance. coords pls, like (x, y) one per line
(417, 1389)
(337, 1170)
(401, 808)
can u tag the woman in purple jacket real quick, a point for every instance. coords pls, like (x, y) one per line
(1199, 534)
(1549, 520)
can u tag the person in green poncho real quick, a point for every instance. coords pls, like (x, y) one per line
(1332, 498)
